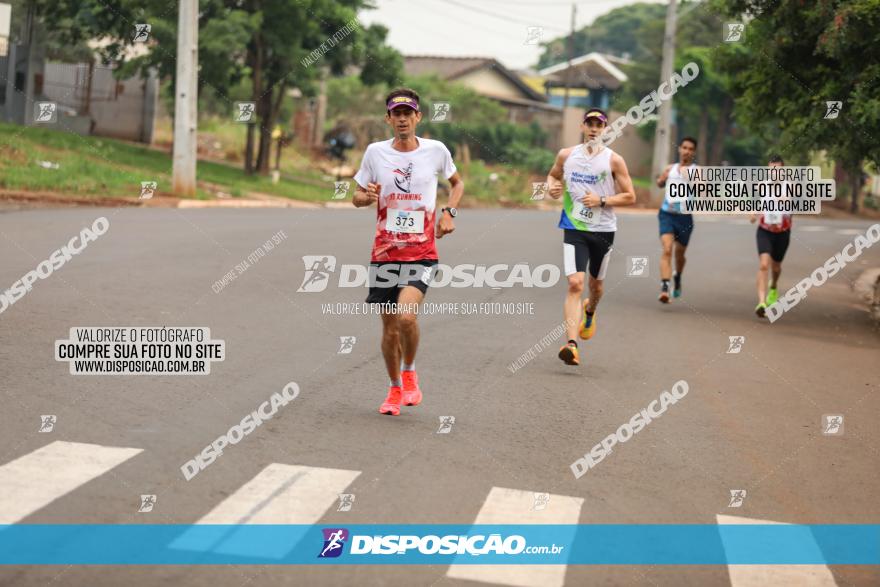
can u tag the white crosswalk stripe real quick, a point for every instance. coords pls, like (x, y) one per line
(513, 506)
(38, 478)
(760, 575)
(813, 228)
(279, 494)
(283, 494)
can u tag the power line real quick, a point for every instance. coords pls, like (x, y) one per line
(500, 16)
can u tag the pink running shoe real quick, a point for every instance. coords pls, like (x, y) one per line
(412, 395)
(391, 405)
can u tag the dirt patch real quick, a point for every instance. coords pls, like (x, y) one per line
(51, 198)
(13, 154)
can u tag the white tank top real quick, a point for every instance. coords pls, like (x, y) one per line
(673, 205)
(583, 174)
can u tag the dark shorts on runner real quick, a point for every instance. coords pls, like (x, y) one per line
(679, 225)
(388, 278)
(581, 248)
(773, 243)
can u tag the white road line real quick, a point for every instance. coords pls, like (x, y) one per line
(813, 228)
(761, 575)
(279, 494)
(38, 478)
(512, 506)
(850, 231)
(283, 494)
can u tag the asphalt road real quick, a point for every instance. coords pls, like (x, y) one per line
(751, 420)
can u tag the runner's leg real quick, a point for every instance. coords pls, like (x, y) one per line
(666, 241)
(679, 257)
(763, 268)
(597, 288)
(391, 344)
(409, 299)
(573, 307)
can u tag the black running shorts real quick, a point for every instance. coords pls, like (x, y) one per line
(581, 248)
(388, 278)
(773, 243)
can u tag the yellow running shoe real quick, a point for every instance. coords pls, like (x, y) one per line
(588, 323)
(569, 354)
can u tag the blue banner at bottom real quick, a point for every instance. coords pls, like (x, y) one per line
(385, 544)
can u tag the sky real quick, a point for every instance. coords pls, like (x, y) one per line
(481, 28)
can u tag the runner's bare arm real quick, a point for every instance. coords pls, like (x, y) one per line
(627, 194)
(661, 179)
(555, 178)
(445, 224)
(365, 197)
(457, 190)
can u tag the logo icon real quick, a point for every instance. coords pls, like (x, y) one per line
(148, 189)
(441, 112)
(446, 423)
(832, 424)
(539, 190)
(245, 111)
(334, 540)
(47, 423)
(45, 112)
(147, 503)
(541, 501)
(403, 177)
(346, 501)
(736, 344)
(637, 266)
(734, 32)
(141, 33)
(737, 497)
(346, 345)
(340, 189)
(318, 270)
(534, 34)
(832, 109)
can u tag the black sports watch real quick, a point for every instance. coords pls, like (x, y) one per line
(452, 211)
(602, 200)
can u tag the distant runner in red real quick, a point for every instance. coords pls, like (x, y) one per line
(401, 175)
(774, 234)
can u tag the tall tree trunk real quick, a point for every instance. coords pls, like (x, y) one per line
(264, 106)
(855, 186)
(703, 137)
(255, 60)
(249, 150)
(721, 131)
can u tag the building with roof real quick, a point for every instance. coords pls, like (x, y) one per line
(488, 77)
(592, 79)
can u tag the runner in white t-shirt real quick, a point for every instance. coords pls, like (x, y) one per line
(401, 176)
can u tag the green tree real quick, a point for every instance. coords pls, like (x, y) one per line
(617, 32)
(801, 56)
(260, 40)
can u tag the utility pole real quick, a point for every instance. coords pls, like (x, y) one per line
(570, 54)
(662, 133)
(185, 100)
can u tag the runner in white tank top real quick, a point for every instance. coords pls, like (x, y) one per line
(592, 179)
